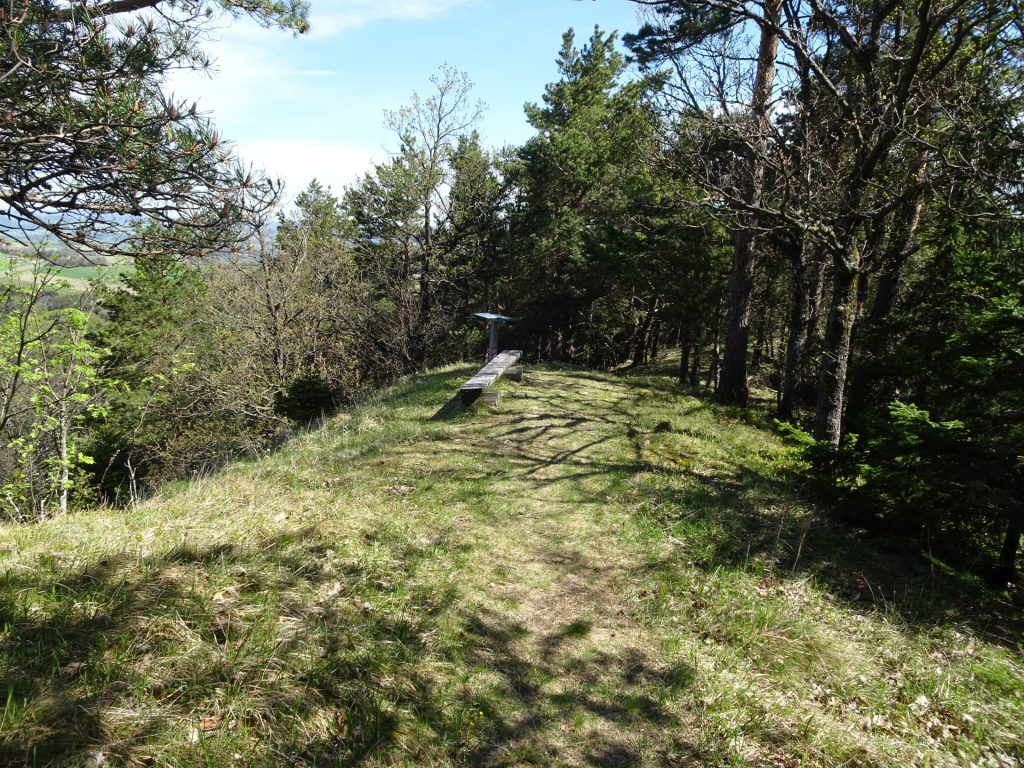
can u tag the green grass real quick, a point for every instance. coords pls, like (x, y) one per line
(102, 273)
(601, 571)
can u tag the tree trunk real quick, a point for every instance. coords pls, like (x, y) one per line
(405, 299)
(423, 316)
(712, 378)
(65, 463)
(835, 356)
(684, 352)
(1006, 566)
(885, 294)
(644, 333)
(426, 297)
(760, 338)
(900, 247)
(732, 387)
(698, 353)
(716, 352)
(799, 315)
(804, 308)
(812, 340)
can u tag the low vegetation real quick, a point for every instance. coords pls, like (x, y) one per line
(602, 570)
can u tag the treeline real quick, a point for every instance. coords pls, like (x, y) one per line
(867, 161)
(819, 206)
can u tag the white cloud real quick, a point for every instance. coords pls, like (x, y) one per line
(333, 164)
(289, 105)
(329, 19)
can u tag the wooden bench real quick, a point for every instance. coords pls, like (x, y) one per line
(489, 374)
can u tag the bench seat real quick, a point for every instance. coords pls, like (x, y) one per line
(489, 374)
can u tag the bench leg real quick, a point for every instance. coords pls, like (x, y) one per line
(490, 397)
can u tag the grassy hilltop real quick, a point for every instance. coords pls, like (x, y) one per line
(601, 571)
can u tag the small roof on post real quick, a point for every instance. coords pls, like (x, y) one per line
(493, 319)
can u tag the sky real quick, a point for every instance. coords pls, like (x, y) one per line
(313, 106)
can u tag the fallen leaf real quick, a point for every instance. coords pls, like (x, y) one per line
(209, 723)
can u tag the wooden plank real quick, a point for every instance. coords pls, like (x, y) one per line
(490, 373)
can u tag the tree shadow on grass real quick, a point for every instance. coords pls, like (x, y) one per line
(740, 512)
(859, 567)
(741, 517)
(574, 701)
(200, 652)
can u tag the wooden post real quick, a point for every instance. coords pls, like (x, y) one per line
(490, 397)
(492, 346)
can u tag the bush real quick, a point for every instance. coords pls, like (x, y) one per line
(306, 398)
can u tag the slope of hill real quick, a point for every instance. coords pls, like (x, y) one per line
(601, 571)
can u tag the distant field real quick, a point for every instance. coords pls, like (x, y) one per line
(77, 278)
(102, 273)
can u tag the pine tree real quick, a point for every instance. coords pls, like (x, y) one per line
(91, 144)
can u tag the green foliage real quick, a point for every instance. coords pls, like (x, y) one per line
(94, 74)
(387, 216)
(479, 272)
(164, 420)
(422, 222)
(911, 469)
(607, 242)
(794, 434)
(946, 455)
(51, 379)
(676, 27)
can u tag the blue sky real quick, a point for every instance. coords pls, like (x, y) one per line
(314, 105)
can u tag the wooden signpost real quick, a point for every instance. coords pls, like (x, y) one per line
(493, 320)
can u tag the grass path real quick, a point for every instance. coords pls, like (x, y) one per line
(554, 601)
(602, 571)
